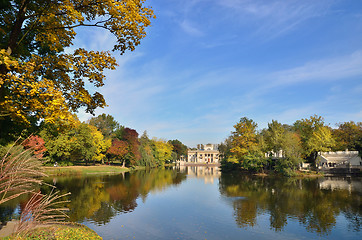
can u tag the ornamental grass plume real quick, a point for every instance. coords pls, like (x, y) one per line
(42, 210)
(20, 173)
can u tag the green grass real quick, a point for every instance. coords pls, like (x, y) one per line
(84, 170)
(58, 232)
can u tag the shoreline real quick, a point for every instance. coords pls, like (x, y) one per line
(84, 170)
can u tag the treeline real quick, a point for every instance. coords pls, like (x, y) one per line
(252, 150)
(99, 140)
(302, 200)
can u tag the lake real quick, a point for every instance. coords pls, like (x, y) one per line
(203, 203)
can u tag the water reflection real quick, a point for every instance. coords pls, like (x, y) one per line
(209, 174)
(310, 201)
(209, 204)
(341, 183)
(99, 198)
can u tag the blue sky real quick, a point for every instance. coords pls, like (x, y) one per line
(206, 63)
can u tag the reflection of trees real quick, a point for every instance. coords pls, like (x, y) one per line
(100, 198)
(284, 198)
(245, 213)
(7, 209)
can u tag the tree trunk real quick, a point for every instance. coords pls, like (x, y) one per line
(16, 29)
(12, 44)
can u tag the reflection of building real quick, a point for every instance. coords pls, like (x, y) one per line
(340, 159)
(207, 173)
(207, 155)
(340, 184)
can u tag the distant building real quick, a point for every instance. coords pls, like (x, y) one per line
(209, 154)
(339, 159)
(274, 155)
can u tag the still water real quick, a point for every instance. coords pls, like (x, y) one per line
(202, 203)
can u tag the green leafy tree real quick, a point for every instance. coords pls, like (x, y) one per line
(225, 148)
(275, 136)
(253, 161)
(280, 138)
(85, 148)
(72, 145)
(292, 151)
(315, 136)
(106, 124)
(146, 151)
(179, 148)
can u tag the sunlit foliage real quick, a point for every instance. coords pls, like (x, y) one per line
(162, 151)
(40, 76)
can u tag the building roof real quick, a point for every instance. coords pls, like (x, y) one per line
(340, 156)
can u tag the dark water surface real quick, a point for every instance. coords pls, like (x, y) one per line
(202, 203)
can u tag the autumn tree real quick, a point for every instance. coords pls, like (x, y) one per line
(101, 144)
(162, 151)
(348, 135)
(118, 150)
(245, 150)
(40, 76)
(244, 137)
(131, 137)
(37, 145)
(320, 141)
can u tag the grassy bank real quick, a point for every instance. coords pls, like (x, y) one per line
(68, 231)
(84, 170)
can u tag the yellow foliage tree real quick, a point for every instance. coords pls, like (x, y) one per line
(38, 78)
(101, 144)
(244, 138)
(162, 150)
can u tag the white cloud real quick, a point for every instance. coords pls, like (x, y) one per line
(331, 69)
(326, 69)
(273, 18)
(190, 28)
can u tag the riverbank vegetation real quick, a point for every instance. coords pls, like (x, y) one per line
(101, 140)
(282, 148)
(58, 232)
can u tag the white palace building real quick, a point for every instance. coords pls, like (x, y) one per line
(209, 154)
